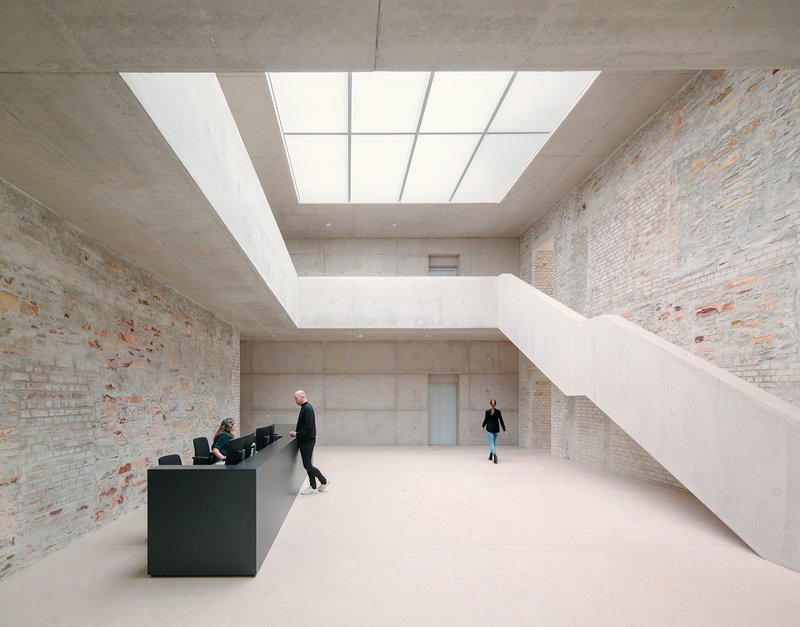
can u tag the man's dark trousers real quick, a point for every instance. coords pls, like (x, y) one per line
(306, 447)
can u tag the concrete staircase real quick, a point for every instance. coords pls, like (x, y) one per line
(733, 445)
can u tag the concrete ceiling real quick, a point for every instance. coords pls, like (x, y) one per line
(612, 109)
(73, 136)
(363, 35)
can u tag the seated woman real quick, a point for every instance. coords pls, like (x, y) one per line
(219, 448)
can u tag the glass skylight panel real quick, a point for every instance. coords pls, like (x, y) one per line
(463, 102)
(497, 165)
(538, 101)
(319, 167)
(411, 137)
(378, 165)
(436, 167)
(388, 102)
(311, 102)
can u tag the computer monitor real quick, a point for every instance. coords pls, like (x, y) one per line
(265, 436)
(239, 449)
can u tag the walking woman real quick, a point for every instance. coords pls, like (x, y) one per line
(492, 423)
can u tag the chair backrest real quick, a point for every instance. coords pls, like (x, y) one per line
(202, 452)
(201, 447)
(170, 460)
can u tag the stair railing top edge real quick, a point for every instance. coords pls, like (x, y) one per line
(726, 378)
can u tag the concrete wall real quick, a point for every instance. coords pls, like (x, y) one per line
(691, 231)
(102, 370)
(402, 257)
(377, 392)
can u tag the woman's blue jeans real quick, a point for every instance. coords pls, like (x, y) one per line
(492, 442)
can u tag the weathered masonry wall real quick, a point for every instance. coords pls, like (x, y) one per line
(691, 230)
(376, 392)
(102, 370)
(402, 257)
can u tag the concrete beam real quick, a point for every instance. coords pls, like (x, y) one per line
(303, 35)
(397, 303)
(191, 112)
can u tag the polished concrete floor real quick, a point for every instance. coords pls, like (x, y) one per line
(438, 536)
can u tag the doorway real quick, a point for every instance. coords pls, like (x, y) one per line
(442, 413)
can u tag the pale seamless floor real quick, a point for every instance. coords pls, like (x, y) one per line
(438, 536)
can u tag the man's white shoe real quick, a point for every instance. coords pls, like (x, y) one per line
(324, 486)
(308, 490)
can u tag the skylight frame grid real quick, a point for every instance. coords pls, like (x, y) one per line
(350, 133)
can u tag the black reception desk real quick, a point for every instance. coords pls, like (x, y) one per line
(216, 521)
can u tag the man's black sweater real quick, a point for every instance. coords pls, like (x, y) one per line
(306, 424)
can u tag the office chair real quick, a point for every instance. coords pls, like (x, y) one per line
(170, 460)
(202, 452)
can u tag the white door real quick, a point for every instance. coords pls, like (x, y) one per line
(441, 413)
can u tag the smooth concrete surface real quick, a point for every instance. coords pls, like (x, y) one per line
(376, 393)
(397, 302)
(438, 536)
(730, 443)
(191, 112)
(366, 35)
(396, 256)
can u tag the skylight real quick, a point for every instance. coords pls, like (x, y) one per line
(417, 137)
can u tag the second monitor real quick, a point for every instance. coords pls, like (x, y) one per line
(265, 436)
(240, 449)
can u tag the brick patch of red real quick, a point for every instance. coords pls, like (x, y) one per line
(721, 96)
(123, 469)
(128, 338)
(736, 282)
(9, 480)
(713, 308)
(56, 512)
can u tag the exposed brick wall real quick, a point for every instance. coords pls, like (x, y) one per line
(102, 370)
(582, 432)
(543, 271)
(691, 230)
(534, 406)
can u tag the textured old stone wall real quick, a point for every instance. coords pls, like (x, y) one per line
(102, 370)
(690, 230)
(535, 392)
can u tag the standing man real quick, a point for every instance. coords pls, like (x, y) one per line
(306, 434)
